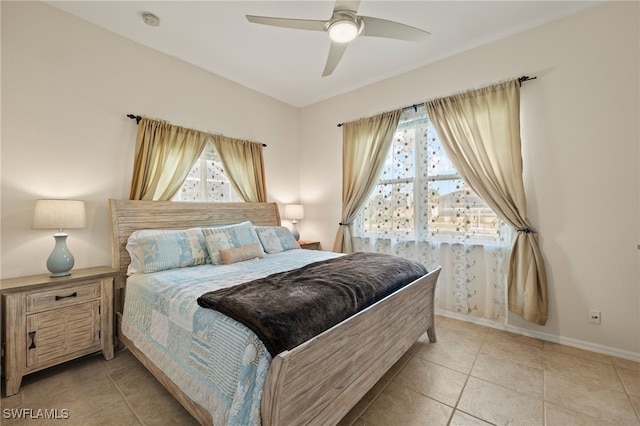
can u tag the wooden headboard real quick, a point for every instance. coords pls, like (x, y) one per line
(128, 216)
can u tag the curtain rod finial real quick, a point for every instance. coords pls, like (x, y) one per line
(525, 78)
(136, 117)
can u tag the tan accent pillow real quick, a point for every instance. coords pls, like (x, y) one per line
(239, 254)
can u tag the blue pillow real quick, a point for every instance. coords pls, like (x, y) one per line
(275, 239)
(158, 250)
(229, 237)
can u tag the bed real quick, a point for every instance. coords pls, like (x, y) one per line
(318, 381)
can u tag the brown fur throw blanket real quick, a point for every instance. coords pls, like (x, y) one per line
(289, 308)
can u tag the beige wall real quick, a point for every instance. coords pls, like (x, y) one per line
(66, 88)
(580, 149)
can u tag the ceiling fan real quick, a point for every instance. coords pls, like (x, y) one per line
(344, 26)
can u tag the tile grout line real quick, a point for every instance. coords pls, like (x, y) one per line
(550, 350)
(544, 385)
(384, 387)
(126, 401)
(626, 392)
(455, 407)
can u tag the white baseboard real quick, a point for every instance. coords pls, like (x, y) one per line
(580, 344)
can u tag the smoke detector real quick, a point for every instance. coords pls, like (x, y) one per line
(150, 19)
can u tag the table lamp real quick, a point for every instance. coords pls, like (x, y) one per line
(59, 214)
(294, 212)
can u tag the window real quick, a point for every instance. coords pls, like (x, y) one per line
(207, 181)
(420, 195)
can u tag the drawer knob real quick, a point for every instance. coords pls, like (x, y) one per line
(32, 336)
(74, 294)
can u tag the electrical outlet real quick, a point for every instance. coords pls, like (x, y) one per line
(594, 316)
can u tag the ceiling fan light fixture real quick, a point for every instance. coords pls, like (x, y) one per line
(343, 31)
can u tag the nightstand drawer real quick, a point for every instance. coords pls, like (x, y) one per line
(48, 299)
(60, 332)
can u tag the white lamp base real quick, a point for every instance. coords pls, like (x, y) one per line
(60, 260)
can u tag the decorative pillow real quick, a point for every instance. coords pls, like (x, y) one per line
(228, 237)
(239, 254)
(153, 250)
(275, 239)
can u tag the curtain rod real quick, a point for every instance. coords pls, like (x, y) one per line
(415, 106)
(138, 118)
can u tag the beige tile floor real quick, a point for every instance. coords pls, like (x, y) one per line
(473, 375)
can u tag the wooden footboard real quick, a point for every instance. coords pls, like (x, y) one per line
(319, 381)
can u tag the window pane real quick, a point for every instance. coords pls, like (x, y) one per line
(390, 210)
(458, 213)
(400, 163)
(190, 191)
(218, 187)
(438, 163)
(191, 188)
(207, 180)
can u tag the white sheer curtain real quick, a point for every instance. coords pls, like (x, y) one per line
(473, 277)
(422, 210)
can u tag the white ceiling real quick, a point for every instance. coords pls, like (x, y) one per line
(287, 64)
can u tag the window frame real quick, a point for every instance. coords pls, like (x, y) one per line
(421, 181)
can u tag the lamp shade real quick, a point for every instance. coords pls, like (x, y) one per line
(59, 214)
(294, 211)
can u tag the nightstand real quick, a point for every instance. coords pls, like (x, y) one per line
(48, 320)
(309, 245)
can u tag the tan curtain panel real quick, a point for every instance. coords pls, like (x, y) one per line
(480, 131)
(164, 156)
(244, 166)
(365, 146)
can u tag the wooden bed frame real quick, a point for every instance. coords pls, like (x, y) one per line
(319, 381)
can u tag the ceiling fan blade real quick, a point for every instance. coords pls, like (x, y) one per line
(335, 54)
(351, 5)
(297, 24)
(376, 27)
